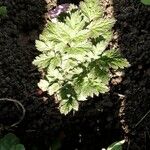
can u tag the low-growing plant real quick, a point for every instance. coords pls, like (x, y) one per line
(146, 2)
(10, 142)
(116, 145)
(3, 11)
(74, 58)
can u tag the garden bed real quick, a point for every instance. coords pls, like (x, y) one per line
(100, 121)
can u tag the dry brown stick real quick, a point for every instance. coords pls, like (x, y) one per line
(18, 103)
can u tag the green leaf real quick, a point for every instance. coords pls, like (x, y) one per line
(53, 88)
(91, 9)
(10, 142)
(43, 60)
(65, 109)
(75, 21)
(146, 2)
(97, 50)
(68, 64)
(101, 27)
(3, 11)
(67, 91)
(67, 105)
(77, 70)
(75, 105)
(59, 47)
(44, 46)
(55, 62)
(99, 73)
(81, 36)
(58, 32)
(43, 84)
(90, 87)
(55, 74)
(116, 145)
(18, 147)
(79, 48)
(113, 59)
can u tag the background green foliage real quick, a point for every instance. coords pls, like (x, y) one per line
(146, 2)
(10, 142)
(116, 145)
(3, 11)
(73, 55)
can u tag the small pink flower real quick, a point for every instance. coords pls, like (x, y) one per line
(54, 13)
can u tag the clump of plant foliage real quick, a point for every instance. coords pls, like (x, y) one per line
(116, 145)
(10, 142)
(73, 55)
(146, 2)
(3, 11)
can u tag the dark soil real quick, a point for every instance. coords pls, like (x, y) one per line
(101, 120)
(133, 27)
